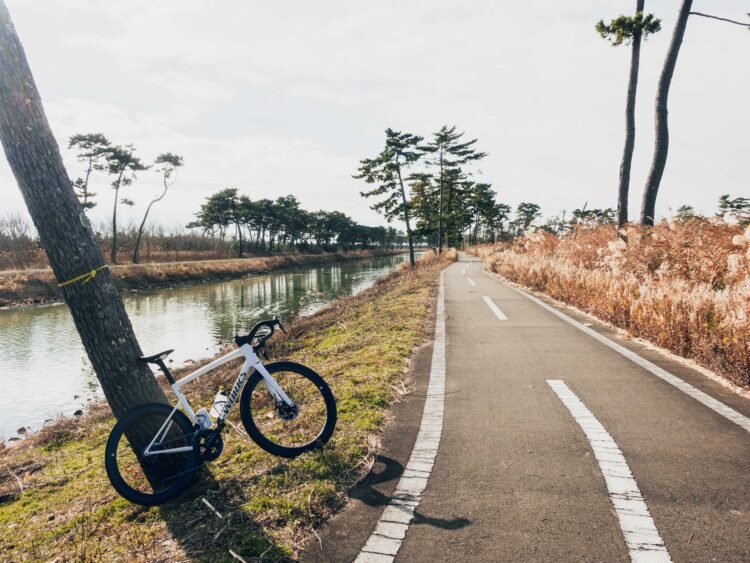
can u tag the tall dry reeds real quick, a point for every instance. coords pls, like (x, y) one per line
(682, 286)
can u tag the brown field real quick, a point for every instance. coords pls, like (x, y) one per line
(682, 286)
(20, 250)
(39, 286)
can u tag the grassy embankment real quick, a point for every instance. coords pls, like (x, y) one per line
(41, 286)
(270, 507)
(683, 287)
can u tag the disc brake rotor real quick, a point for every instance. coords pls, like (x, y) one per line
(286, 412)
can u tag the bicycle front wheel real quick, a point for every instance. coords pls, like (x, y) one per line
(156, 478)
(289, 431)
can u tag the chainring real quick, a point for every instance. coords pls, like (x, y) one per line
(206, 452)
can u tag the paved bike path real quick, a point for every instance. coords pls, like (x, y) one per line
(516, 477)
(519, 473)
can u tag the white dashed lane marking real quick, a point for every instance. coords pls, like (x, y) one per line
(494, 308)
(707, 400)
(471, 281)
(641, 536)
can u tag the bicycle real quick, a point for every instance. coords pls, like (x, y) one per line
(154, 451)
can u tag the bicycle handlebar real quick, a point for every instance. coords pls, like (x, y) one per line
(271, 324)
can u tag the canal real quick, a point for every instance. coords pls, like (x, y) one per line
(44, 370)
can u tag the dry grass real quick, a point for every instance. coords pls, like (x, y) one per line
(683, 286)
(41, 286)
(55, 500)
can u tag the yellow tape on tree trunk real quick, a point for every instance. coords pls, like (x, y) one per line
(85, 278)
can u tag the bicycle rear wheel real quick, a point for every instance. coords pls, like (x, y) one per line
(289, 431)
(156, 478)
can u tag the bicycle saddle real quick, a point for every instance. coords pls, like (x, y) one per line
(156, 357)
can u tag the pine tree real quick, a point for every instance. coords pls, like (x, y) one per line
(122, 164)
(386, 170)
(448, 154)
(423, 200)
(661, 145)
(167, 164)
(629, 29)
(92, 151)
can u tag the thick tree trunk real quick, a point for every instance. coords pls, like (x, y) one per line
(66, 234)
(661, 147)
(627, 154)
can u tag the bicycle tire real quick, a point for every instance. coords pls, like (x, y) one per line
(125, 469)
(314, 400)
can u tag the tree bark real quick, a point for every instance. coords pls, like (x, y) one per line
(239, 237)
(440, 207)
(406, 219)
(113, 252)
(66, 234)
(661, 147)
(86, 181)
(143, 223)
(627, 154)
(449, 226)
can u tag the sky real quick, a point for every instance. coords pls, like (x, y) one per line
(286, 97)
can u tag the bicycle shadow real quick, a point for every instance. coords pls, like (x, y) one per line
(385, 470)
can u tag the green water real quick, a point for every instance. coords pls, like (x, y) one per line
(44, 370)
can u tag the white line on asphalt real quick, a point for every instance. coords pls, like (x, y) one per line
(471, 281)
(641, 536)
(385, 541)
(713, 404)
(463, 271)
(495, 309)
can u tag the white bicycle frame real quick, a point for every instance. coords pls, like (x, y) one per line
(251, 361)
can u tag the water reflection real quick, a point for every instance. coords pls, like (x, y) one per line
(44, 370)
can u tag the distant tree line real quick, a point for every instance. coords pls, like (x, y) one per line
(20, 247)
(266, 225)
(430, 187)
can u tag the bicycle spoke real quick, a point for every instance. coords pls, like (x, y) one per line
(153, 474)
(281, 427)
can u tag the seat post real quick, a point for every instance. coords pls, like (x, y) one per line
(165, 371)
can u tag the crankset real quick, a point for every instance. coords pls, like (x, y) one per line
(208, 443)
